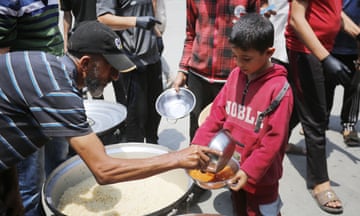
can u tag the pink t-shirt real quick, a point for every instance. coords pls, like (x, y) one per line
(324, 17)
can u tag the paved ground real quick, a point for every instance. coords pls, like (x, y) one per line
(343, 162)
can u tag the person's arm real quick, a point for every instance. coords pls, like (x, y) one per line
(4, 50)
(125, 22)
(349, 26)
(330, 64)
(304, 31)
(67, 24)
(353, 30)
(109, 170)
(117, 22)
(160, 14)
(190, 33)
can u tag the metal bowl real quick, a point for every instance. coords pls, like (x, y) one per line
(217, 180)
(175, 105)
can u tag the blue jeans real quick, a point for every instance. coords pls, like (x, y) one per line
(33, 170)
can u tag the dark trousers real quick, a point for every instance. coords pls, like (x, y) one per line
(10, 199)
(204, 92)
(138, 91)
(351, 98)
(307, 79)
(294, 120)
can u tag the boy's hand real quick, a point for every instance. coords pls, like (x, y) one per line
(238, 181)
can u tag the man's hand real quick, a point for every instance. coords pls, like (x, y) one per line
(146, 22)
(336, 69)
(195, 157)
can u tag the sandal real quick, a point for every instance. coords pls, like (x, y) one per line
(324, 197)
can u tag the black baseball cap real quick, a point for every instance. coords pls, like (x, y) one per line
(94, 37)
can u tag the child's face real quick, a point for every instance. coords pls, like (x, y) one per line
(252, 62)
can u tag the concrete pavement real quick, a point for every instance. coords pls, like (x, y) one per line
(343, 162)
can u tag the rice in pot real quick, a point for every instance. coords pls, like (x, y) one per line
(132, 198)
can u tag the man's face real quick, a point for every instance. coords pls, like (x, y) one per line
(100, 73)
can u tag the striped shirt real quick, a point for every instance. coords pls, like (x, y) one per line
(30, 25)
(38, 99)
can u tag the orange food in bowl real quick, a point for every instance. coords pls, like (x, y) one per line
(224, 174)
(201, 176)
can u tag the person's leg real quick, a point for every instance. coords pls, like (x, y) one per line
(56, 152)
(291, 148)
(330, 85)
(271, 209)
(351, 101)
(31, 174)
(154, 89)
(10, 199)
(128, 91)
(238, 199)
(205, 93)
(310, 100)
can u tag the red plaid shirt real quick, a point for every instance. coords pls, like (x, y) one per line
(207, 51)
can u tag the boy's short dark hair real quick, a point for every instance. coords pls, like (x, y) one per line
(252, 31)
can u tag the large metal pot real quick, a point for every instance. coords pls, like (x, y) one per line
(106, 119)
(74, 171)
(104, 116)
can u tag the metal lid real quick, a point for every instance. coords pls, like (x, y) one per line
(104, 116)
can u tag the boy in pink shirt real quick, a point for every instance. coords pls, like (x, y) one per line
(250, 89)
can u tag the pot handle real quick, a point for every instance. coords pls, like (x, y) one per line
(188, 200)
(173, 212)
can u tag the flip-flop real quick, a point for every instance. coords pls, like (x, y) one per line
(324, 197)
(295, 149)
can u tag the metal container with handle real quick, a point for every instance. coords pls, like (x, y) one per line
(74, 171)
(223, 142)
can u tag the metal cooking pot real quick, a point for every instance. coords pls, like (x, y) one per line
(74, 171)
(203, 214)
(175, 105)
(104, 116)
(106, 119)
